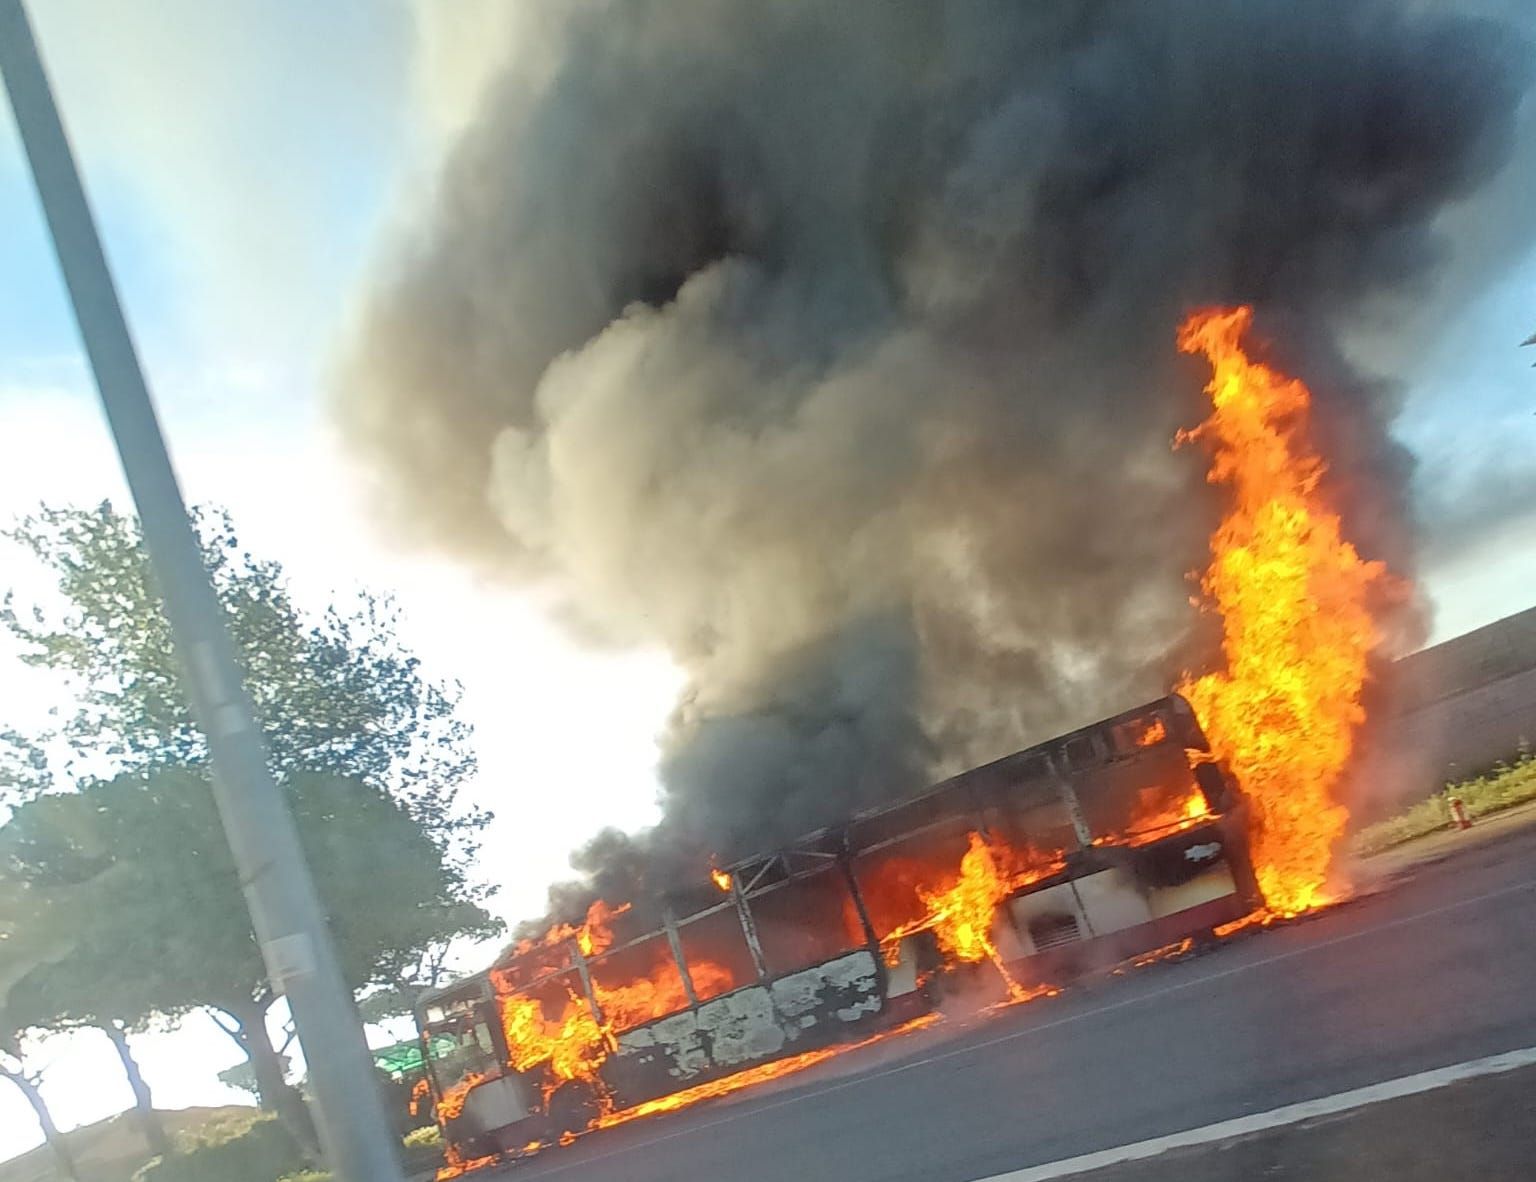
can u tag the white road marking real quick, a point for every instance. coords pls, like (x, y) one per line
(1290, 1114)
(746, 1109)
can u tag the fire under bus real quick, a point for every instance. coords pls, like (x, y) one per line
(1115, 840)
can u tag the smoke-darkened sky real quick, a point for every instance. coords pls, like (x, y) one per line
(830, 347)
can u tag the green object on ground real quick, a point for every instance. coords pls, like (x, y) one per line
(254, 1150)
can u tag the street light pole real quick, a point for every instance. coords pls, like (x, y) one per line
(285, 911)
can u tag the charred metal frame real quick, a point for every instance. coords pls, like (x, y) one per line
(748, 924)
(833, 846)
(675, 943)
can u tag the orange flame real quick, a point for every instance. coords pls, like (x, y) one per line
(1295, 600)
(1155, 733)
(559, 1031)
(1159, 814)
(961, 914)
(451, 1104)
(572, 1044)
(458, 1164)
(720, 878)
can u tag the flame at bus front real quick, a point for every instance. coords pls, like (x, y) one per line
(962, 911)
(1295, 600)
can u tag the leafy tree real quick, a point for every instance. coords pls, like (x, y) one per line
(37, 929)
(338, 694)
(368, 749)
(12, 1068)
(170, 932)
(24, 771)
(34, 977)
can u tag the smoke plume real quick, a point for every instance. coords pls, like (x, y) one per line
(830, 346)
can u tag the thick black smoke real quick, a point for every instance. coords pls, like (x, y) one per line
(831, 347)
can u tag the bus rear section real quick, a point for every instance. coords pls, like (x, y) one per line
(1116, 840)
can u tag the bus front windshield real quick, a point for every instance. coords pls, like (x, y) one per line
(461, 1048)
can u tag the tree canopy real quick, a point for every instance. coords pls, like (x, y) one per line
(368, 750)
(334, 693)
(167, 930)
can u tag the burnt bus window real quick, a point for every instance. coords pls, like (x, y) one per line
(638, 984)
(716, 951)
(1139, 734)
(806, 921)
(1035, 768)
(1038, 820)
(636, 917)
(533, 964)
(1081, 752)
(759, 874)
(1028, 813)
(898, 821)
(461, 1001)
(1153, 792)
(892, 879)
(460, 1048)
(1185, 729)
(696, 896)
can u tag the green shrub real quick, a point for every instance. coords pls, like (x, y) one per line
(1507, 785)
(239, 1149)
(423, 1149)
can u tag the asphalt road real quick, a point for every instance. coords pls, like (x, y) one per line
(1438, 969)
(1482, 1129)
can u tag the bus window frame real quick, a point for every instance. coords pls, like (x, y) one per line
(476, 1021)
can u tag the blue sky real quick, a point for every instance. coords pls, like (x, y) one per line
(243, 158)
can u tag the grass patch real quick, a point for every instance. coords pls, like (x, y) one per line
(1507, 785)
(237, 1149)
(422, 1152)
(428, 1137)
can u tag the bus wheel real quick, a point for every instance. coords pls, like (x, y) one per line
(572, 1107)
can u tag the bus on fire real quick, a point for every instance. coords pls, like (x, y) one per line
(1111, 841)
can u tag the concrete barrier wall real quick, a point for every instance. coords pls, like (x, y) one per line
(1465, 734)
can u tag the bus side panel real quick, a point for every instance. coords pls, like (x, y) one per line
(795, 1012)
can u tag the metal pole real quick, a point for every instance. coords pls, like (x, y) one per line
(285, 911)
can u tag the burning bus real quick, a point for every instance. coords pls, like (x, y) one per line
(1114, 840)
